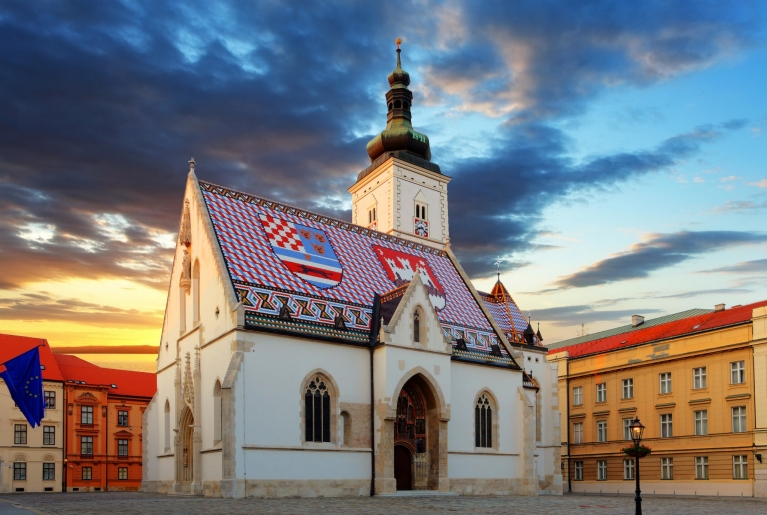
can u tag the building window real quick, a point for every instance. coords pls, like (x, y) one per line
(602, 392)
(49, 471)
(740, 467)
(122, 447)
(739, 419)
(218, 413)
(665, 382)
(49, 435)
(420, 211)
(19, 471)
(666, 426)
(372, 218)
(602, 431)
(578, 432)
(87, 473)
(699, 378)
(701, 467)
(578, 396)
(86, 414)
(701, 422)
(20, 434)
(601, 470)
(122, 418)
(317, 411)
(738, 372)
(122, 473)
(483, 423)
(167, 425)
(667, 468)
(86, 445)
(627, 428)
(628, 389)
(578, 471)
(628, 469)
(50, 399)
(417, 326)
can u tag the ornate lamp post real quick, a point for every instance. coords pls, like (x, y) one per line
(636, 434)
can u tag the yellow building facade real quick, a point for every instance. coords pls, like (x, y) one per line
(699, 386)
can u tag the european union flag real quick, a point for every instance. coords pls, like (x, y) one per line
(25, 382)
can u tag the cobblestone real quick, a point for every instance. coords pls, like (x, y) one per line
(130, 503)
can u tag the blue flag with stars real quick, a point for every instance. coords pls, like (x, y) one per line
(24, 379)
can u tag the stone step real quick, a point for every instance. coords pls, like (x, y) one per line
(419, 493)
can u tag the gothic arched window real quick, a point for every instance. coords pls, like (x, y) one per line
(483, 422)
(167, 425)
(417, 326)
(317, 411)
(217, 412)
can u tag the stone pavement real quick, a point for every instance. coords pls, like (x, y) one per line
(130, 503)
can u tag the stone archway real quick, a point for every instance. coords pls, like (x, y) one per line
(417, 422)
(186, 467)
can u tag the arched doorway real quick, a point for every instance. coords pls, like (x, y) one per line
(411, 456)
(187, 445)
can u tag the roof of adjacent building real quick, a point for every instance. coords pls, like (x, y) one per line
(12, 346)
(627, 328)
(673, 327)
(321, 268)
(120, 382)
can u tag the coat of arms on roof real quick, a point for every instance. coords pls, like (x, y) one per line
(304, 250)
(400, 267)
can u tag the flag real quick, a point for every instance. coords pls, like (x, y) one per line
(24, 379)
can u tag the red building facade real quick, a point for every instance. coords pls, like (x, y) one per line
(102, 425)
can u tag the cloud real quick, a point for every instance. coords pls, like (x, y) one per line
(698, 293)
(106, 349)
(744, 267)
(658, 251)
(759, 184)
(586, 314)
(739, 206)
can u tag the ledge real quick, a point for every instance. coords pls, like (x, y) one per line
(603, 412)
(666, 405)
(739, 396)
(700, 401)
(300, 448)
(578, 415)
(622, 410)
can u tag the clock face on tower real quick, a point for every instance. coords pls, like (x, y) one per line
(421, 227)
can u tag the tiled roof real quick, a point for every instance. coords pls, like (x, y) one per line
(627, 328)
(676, 328)
(506, 313)
(321, 267)
(127, 382)
(12, 346)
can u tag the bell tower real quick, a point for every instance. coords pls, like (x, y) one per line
(402, 192)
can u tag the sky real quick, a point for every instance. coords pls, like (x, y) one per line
(610, 154)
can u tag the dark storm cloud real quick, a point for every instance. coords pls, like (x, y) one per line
(49, 308)
(106, 101)
(744, 267)
(659, 251)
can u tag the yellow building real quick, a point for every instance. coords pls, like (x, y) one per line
(698, 382)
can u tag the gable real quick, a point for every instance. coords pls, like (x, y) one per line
(320, 268)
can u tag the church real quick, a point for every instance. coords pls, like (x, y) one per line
(303, 355)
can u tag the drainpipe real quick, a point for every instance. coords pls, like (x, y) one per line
(375, 327)
(106, 446)
(567, 398)
(64, 444)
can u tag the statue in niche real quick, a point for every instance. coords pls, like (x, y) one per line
(186, 272)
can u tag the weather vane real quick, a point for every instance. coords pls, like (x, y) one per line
(498, 267)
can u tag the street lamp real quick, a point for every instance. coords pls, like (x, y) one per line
(636, 434)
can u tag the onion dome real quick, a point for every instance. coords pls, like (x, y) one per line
(399, 134)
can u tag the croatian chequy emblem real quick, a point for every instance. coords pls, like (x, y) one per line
(304, 250)
(401, 267)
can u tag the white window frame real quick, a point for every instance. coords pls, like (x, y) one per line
(601, 470)
(578, 432)
(738, 372)
(665, 382)
(701, 467)
(667, 425)
(602, 392)
(738, 419)
(700, 418)
(627, 428)
(740, 466)
(628, 469)
(699, 378)
(578, 396)
(667, 468)
(628, 388)
(578, 471)
(601, 430)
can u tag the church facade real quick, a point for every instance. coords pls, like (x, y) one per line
(303, 355)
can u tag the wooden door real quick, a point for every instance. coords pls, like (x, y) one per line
(403, 467)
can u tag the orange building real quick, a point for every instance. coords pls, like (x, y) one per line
(696, 380)
(102, 428)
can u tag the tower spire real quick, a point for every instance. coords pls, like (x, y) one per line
(399, 134)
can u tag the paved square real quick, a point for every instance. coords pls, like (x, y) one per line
(130, 503)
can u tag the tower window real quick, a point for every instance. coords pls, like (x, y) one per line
(420, 211)
(372, 218)
(397, 104)
(390, 106)
(405, 105)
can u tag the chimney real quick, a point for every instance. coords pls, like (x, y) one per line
(637, 320)
(719, 307)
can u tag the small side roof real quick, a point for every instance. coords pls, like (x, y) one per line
(127, 382)
(12, 346)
